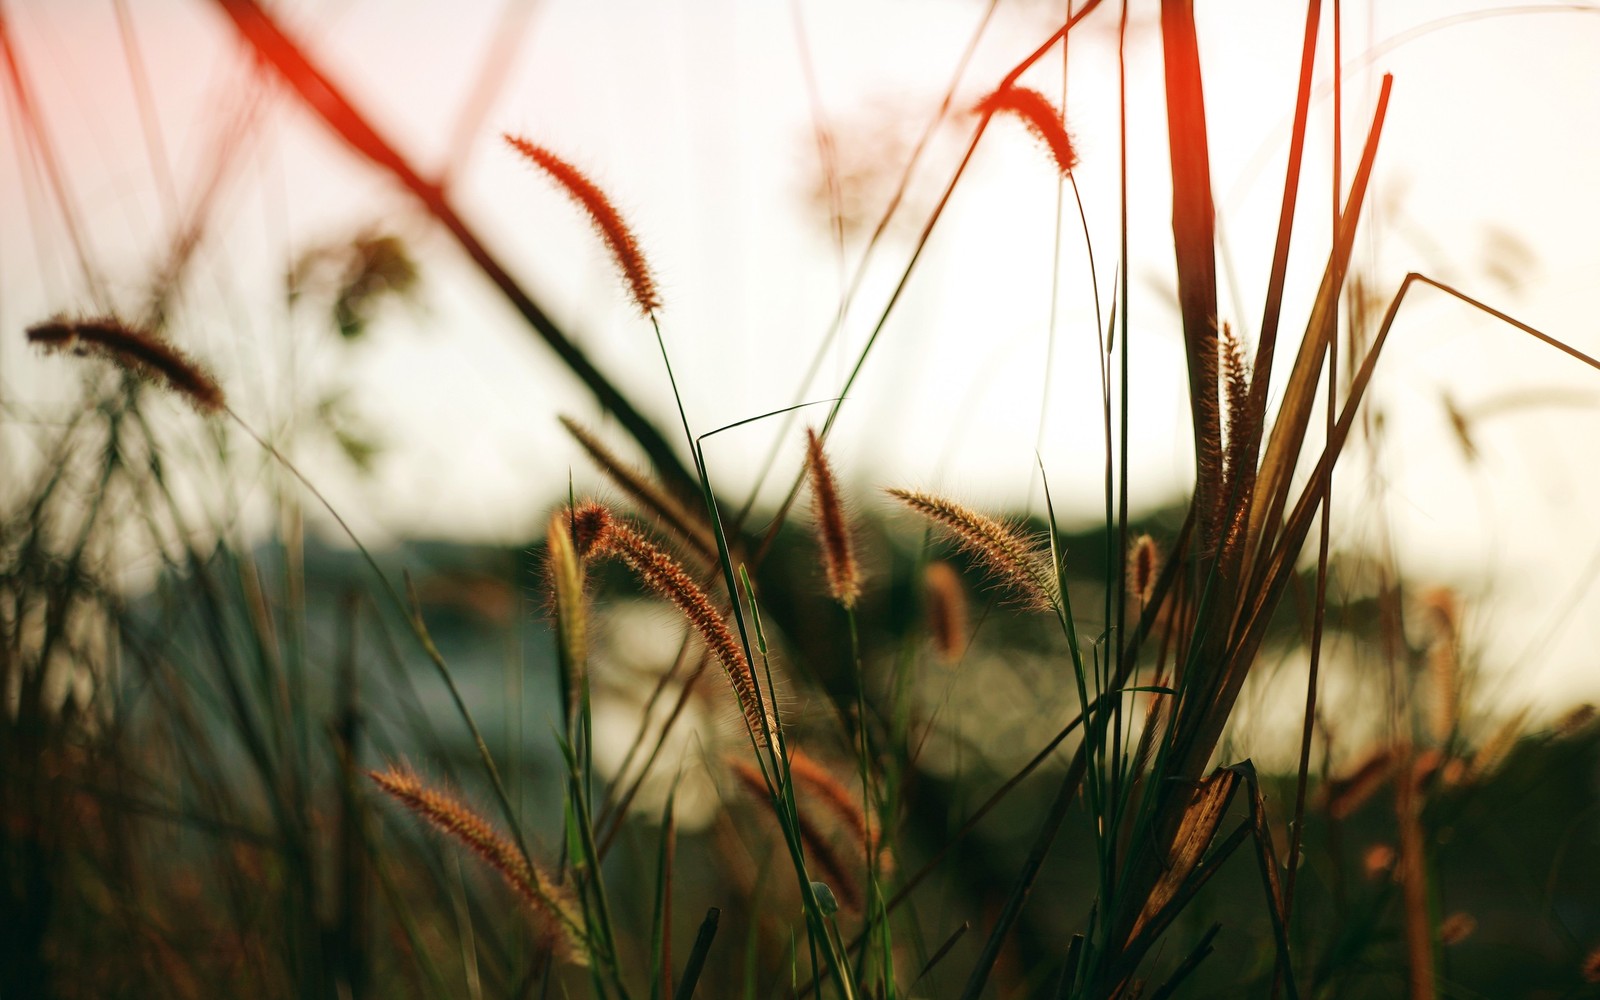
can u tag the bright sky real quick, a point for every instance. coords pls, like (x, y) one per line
(695, 117)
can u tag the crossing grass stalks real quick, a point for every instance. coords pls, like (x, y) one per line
(180, 777)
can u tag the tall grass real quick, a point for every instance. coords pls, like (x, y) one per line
(234, 786)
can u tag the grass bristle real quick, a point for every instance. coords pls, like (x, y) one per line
(139, 352)
(607, 220)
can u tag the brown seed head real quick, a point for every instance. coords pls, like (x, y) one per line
(1242, 422)
(607, 220)
(1456, 928)
(819, 851)
(1011, 556)
(1591, 967)
(568, 608)
(947, 610)
(646, 493)
(1575, 719)
(1041, 117)
(1144, 564)
(601, 535)
(445, 813)
(138, 352)
(1498, 746)
(1378, 860)
(590, 524)
(820, 783)
(838, 555)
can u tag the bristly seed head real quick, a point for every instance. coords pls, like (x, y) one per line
(601, 535)
(607, 220)
(819, 852)
(1591, 967)
(646, 493)
(838, 556)
(1011, 556)
(138, 352)
(947, 610)
(542, 895)
(590, 522)
(1041, 117)
(1144, 563)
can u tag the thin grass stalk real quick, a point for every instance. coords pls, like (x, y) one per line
(775, 771)
(327, 101)
(413, 617)
(661, 913)
(916, 254)
(619, 809)
(869, 846)
(697, 955)
(351, 932)
(1202, 711)
(1124, 378)
(1082, 764)
(1272, 310)
(1320, 607)
(579, 793)
(849, 295)
(645, 491)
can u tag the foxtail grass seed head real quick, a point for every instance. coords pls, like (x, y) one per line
(1155, 717)
(448, 815)
(567, 603)
(1242, 420)
(607, 220)
(1497, 747)
(601, 535)
(1442, 609)
(1014, 559)
(820, 855)
(646, 493)
(838, 555)
(819, 783)
(139, 352)
(1575, 720)
(1378, 860)
(1456, 928)
(1144, 564)
(1444, 695)
(1041, 117)
(947, 610)
(590, 523)
(1591, 967)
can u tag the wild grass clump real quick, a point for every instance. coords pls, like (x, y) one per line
(978, 754)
